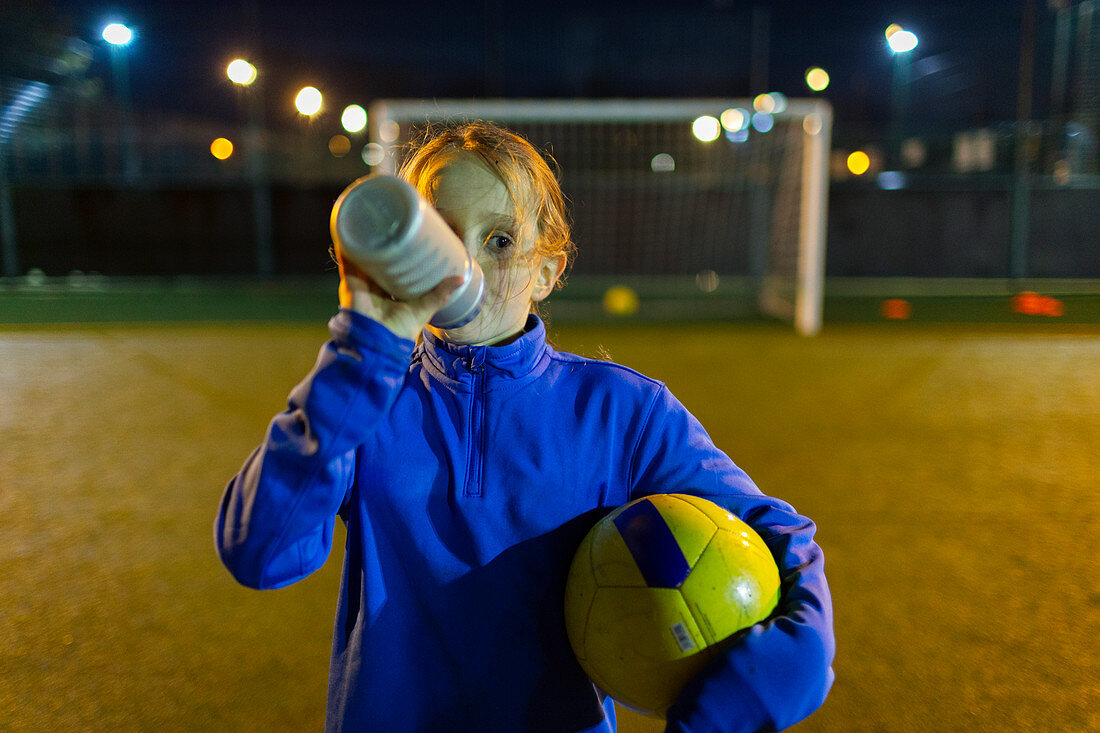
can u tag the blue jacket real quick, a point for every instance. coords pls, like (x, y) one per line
(467, 477)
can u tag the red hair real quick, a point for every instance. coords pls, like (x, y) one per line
(524, 171)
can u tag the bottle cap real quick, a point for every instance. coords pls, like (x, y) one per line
(465, 302)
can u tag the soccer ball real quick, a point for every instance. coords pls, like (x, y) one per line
(656, 587)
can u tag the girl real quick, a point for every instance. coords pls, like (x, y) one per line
(468, 466)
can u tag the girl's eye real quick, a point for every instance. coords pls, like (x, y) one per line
(500, 242)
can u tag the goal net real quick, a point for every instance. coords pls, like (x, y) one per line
(683, 201)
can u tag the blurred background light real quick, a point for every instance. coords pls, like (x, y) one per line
(308, 101)
(891, 180)
(339, 145)
(1062, 172)
(706, 128)
(811, 124)
(763, 103)
(763, 122)
(241, 72)
(891, 30)
(817, 79)
(914, 152)
(221, 148)
(373, 154)
(707, 281)
(858, 163)
(772, 103)
(389, 131)
(117, 34)
(354, 118)
(662, 163)
(734, 119)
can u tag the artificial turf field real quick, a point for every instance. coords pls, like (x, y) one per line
(953, 470)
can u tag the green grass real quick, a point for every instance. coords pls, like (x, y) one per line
(952, 470)
(89, 299)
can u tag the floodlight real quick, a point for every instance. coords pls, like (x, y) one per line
(241, 72)
(117, 34)
(902, 41)
(308, 101)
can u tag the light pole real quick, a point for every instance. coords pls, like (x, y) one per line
(901, 43)
(118, 38)
(244, 74)
(309, 102)
(1060, 71)
(1021, 190)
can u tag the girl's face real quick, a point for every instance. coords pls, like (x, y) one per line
(477, 206)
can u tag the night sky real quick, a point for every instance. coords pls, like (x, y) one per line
(964, 71)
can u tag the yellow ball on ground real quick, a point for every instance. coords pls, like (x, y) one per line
(620, 301)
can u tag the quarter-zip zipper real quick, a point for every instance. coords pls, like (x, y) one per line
(476, 434)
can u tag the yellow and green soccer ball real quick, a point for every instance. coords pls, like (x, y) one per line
(654, 589)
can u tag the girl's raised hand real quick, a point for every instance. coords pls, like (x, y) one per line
(404, 318)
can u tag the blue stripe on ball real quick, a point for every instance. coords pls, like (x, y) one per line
(652, 544)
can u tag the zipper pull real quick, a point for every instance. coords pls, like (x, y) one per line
(472, 365)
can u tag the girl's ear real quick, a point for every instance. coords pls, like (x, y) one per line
(547, 277)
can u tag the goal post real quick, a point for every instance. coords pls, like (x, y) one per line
(735, 202)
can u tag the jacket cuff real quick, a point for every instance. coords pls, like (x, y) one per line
(351, 330)
(707, 707)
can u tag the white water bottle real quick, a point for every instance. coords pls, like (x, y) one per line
(383, 225)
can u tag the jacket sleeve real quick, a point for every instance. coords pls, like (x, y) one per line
(276, 519)
(779, 671)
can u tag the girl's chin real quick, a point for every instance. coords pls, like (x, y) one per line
(486, 332)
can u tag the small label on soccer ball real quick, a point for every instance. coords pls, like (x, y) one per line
(683, 638)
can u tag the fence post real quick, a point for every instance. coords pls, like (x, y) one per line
(7, 220)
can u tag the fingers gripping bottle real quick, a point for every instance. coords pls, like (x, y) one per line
(383, 225)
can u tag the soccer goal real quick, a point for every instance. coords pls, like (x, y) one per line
(676, 198)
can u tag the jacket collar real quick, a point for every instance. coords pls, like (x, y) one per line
(515, 360)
